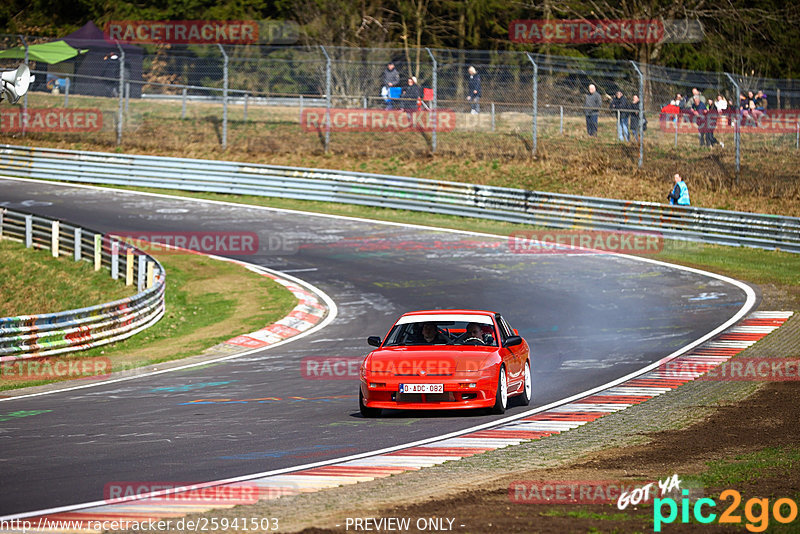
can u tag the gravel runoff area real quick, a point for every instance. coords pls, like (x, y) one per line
(674, 433)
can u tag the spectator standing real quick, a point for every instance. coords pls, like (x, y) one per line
(696, 93)
(680, 101)
(620, 105)
(390, 78)
(636, 131)
(474, 87)
(680, 193)
(591, 108)
(699, 114)
(411, 95)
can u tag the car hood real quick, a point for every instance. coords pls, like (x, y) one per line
(422, 361)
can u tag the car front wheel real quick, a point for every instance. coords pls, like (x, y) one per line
(501, 397)
(364, 409)
(525, 397)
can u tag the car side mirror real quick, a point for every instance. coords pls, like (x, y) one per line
(512, 341)
(375, 341)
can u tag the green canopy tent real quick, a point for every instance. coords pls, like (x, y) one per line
(50, 53)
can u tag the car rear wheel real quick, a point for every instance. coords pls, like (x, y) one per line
(364, 409)
(501, 397)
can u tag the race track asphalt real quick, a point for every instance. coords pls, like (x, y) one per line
(589, 319)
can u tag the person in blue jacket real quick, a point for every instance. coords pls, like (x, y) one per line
(680, 193)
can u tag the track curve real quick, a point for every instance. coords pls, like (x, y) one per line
(590, 319)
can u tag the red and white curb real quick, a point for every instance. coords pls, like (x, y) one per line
(552, 421)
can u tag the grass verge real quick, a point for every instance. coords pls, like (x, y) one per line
(32, 281)
(207, 302)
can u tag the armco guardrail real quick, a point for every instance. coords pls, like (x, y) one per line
(488, 202)
(32, 336)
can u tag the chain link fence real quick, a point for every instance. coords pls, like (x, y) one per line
(317, 99)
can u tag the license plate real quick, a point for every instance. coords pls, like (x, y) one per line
(421, 388)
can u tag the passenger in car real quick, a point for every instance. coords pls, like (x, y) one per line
(431, 335)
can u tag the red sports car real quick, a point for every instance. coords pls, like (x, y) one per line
(446, 359)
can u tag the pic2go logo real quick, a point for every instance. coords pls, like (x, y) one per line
(756, 511)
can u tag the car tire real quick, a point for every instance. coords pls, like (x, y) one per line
(501, 397)
(365, 410)
(524, 398)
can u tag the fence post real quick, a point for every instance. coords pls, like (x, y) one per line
(736, 132)
(28, 231)
(641, 112)
(224, 97)
(66, 92)
(493, 125)
(365, 112)
(77, 243)
(2, 212)
(435, 101)
(121, 91)
(244, 118)
(534, 128)
(25, 98)
(561, 120)
(797, 141)
(327, 98)
(54, 237)
(301, 109)
(183, 107)
(127, 96)
(675, 121)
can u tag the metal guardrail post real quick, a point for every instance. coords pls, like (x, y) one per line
(224, 97)
(129, 266)
(435, 101)
(535, 125)
(641, 113)
(121, 91)
(76, 244)
(327, 98)
(54, 237)
(139, 271)
(28, 231)
(736, 132)
(115, 259)
(98, 251)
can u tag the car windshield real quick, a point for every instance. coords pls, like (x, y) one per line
(478, 332)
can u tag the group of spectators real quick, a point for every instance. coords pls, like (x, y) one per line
(411, 96)
(628, 114)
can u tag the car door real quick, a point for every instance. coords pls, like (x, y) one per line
(514, 361)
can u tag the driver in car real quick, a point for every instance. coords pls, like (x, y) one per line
(474, 334)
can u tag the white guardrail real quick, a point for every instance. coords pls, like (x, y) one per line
(499, 203)
(33, 336)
